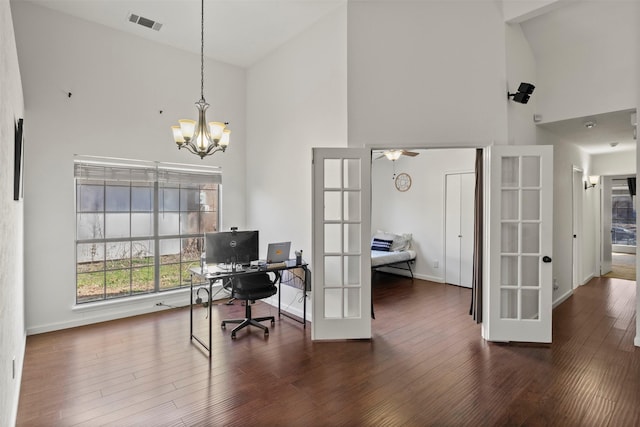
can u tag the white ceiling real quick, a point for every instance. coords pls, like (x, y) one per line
(610, 128)
(241, 32)
(238, 32)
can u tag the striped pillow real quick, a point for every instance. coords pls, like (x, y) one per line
(381, 245)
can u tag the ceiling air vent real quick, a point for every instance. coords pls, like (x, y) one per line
(145, 22)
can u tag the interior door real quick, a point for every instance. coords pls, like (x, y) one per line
(519, 288)
(459, 211)
(341, 243)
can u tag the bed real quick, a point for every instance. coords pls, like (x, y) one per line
(392, 251)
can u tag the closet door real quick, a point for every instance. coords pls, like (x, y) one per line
(459, 211)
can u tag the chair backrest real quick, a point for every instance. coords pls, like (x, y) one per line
(253, 286)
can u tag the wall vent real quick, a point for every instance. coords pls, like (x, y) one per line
(145, 22)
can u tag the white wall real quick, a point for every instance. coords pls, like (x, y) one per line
(426, 73)
(521, 67)
(12, 327)
(419, 211)
(619, 163)
(591, 69)
(565, 156)
(297, 99)
(119, 84)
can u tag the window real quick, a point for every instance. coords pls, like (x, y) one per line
(140, 225)
(623, 217)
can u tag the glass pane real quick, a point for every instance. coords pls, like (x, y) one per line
(90, 226)
(352, 303)
(168, 224)
(208, 222)
(117, 198)
(509, 204)
(352, 173)
(118, 255)
(142, 252)
(352, 206)
(332, 271)
(623, 218)
(510, 172)
(141, 224)
(90, 286)
(333, 303)
(509, 304)
(530, 171)
(332, 173)
(530, 304)
(531, 204)
(332, 206)
(352, 238)
(170, 251)
(332, 238)
(192, 247)
(209, 199)
(189, 222)
(509, 237)
(90, 257)
(509, 271)
(169, 199)
(117, 225)
(142, 280)
(118, 283)
(90, 198)
(531, 271)
(531, 238)
(142, 199)
(352, 270)
(169, 276)
(189, 199)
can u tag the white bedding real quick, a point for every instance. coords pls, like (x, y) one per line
(379, 258)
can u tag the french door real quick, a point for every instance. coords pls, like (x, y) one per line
(341, 243)
(520, 214)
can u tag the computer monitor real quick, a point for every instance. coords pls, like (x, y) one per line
(231, 247)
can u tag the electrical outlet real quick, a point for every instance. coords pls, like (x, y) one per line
(436, 264)
(159, 304)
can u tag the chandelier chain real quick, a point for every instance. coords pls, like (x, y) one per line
(202, 49)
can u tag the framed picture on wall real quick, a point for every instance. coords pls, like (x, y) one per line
(18, 164)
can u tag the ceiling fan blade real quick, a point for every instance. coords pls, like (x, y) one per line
(409, 153)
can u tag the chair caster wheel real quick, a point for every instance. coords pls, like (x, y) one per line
(266, 333)
(273, 322)
(223, 326)
(233, 336)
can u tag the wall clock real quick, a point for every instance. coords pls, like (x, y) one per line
(403, 182)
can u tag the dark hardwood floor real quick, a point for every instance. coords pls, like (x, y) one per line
(427, 365)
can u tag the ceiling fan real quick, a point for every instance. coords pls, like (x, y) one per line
(394, 155)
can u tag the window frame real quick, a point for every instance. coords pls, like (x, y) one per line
(205, 181)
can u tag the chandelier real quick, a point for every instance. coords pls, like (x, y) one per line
(201, 138)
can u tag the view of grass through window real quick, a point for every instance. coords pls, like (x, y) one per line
(140, 235)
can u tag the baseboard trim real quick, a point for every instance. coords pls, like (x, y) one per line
(562, 298)
(636, 341)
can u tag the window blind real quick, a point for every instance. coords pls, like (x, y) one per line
(106, 169)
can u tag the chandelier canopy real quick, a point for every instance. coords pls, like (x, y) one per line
(200, 137)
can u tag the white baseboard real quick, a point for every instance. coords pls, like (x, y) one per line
(636, 341)
(562, 298)
(586, 279)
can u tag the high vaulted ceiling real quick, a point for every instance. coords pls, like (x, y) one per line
(241, 32)
(238, 32)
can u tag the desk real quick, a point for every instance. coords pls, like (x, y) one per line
(215, 273)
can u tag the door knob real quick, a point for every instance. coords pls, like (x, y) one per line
(546, 259)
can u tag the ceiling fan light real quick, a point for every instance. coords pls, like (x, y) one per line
(393, 154)
(188, 128)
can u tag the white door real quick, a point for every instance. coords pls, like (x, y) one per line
(341, 243)
(518, 292)
(459, 210)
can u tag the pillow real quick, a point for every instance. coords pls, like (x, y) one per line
(400, 242)
(381, 245)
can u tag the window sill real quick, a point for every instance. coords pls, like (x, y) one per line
(155, 298)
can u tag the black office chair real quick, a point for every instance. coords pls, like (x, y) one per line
(251, 287)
